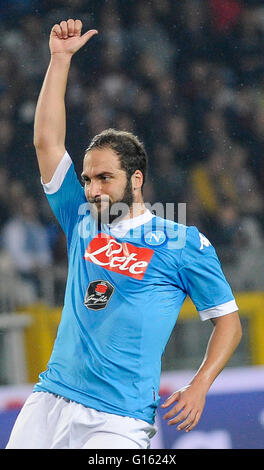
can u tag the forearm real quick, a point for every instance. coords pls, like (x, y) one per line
(50, 116)
(222, 344)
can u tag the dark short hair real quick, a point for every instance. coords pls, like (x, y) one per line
(127, 146)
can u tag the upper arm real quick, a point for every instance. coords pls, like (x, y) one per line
(48, 160)
(65, 194)
(229, 326)
(203, 279)
(230, 320)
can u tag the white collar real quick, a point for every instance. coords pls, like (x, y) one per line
(122, 227)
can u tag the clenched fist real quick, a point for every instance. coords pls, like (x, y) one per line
(65, 38)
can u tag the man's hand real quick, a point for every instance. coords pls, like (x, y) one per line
(189, 407)
(65, 38)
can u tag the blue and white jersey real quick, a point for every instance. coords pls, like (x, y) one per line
(125, 288)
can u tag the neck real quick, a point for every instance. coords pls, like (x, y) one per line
(136, 209)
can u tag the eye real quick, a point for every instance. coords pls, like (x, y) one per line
(105, 178)
(85, 179)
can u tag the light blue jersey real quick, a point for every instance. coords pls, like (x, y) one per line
(124, 293)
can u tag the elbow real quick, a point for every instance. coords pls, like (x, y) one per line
(36, 144)
(37, 137)
(41, 138)
(44, 141)
(39, 142)
(239, 333)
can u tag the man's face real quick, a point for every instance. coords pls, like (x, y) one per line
(106, 186)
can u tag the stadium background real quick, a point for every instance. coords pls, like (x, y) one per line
(187, 76)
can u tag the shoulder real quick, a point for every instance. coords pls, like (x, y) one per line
(196, 240)
(188, 240)
(188, 236)
(170, 227)
(198, 248)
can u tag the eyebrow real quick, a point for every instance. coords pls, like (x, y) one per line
(104, 173)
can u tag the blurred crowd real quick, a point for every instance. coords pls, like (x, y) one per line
(187, 77)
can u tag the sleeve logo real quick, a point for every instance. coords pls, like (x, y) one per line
(204, 241)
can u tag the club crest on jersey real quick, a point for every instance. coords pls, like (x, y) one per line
(156, 237)
(98, 294)
(122, 258)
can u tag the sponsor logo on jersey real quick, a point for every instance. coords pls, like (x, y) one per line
(122, 258)
(98, 294)
(155, 238)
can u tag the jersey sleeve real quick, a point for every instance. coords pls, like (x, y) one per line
(65, 195)
(202, 277)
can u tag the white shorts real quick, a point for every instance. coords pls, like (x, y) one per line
(48, 421)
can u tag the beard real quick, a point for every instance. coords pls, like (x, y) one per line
(106, 212)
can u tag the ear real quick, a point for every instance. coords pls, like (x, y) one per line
(137, 180)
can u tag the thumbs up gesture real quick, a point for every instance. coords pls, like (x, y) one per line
(66, 38)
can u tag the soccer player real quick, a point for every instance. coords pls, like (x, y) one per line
(127, 280)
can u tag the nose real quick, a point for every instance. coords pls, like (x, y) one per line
(94, 189)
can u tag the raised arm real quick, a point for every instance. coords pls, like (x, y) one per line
(50, 116)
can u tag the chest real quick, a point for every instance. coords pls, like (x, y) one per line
(129, 261)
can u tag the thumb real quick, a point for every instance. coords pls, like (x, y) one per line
(86, 36)
(174, 397)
